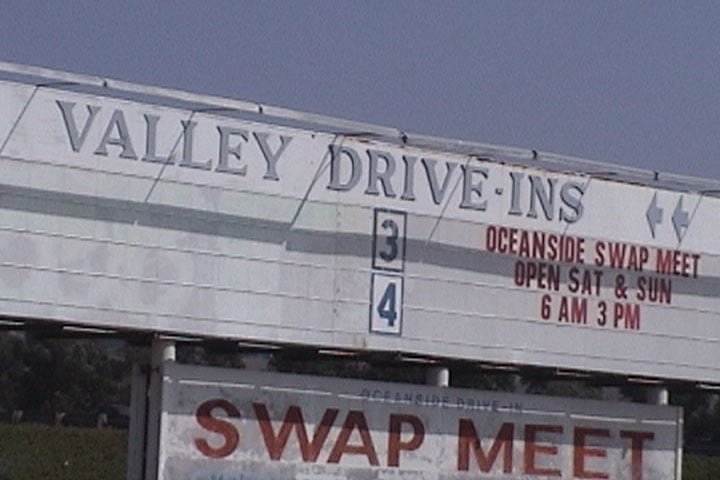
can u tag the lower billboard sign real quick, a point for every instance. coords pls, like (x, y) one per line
(222, 424)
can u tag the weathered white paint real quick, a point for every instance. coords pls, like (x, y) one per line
(213, 427)
(93, 234)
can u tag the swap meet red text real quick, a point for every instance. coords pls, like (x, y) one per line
(601, 283)
(339, 433)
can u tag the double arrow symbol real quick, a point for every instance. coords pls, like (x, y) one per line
(680, 217)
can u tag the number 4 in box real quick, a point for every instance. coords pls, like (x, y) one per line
(386, 304)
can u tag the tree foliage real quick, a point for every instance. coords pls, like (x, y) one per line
(58, 375)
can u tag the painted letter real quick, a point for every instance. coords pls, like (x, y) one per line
(225, 150)
(221, 427)
(515, 208)
(355, 420)
(468, 438)
(546, 199)
(409, 188)
(270, 157)
(151, 143)
(187, 160)
(383, 177)
(275, 444)
(469, 187)
(76, 139)
(437, 191)
(636, 447)
(122, 140)
(335, 160)
(532, 449)
(573, 202)
(394, 442)
(580, 451)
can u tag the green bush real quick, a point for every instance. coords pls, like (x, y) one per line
(34, 452)
(699, 467)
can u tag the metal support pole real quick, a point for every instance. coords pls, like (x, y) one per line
(257, 362)
(438, 376)
(138, 422)
(658, 395)
(163, 351)
(612, 394)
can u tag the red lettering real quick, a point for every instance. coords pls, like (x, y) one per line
(532, 449)
(580, 452)
(491, 239)
(524, 250)
(621, 256)
(503, 235)
(656, 290)
(553, 247)
(275, 444)
(616, 254)
(675, 262)
(664, 261)
(513, 241)
(395, 430)
(636, 447)
(600, 254)
(545, 307)
(541, 275)
(355, 420)
(468, 438)
(537, 245)
(204, 417)
(695, 261)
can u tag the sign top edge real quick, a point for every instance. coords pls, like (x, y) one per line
(50, 78)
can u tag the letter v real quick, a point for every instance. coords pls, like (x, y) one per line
(76, 139)
(438, 192)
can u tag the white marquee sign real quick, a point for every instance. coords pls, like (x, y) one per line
(132, 215)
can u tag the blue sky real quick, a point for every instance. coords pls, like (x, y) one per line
(632, 83)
